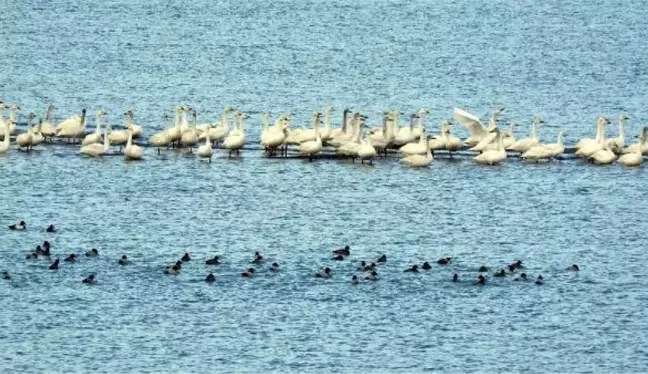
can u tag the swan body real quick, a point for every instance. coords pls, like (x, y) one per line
(545, 151)
(120, 137)
(132, 151)
(161, 139)
(190, 137)
(404, 135)
(642, 144)
(37, 135)
(136, 129)
(73, 127)
(12, 117)
(351, 147)
(439, 142)
(616, 144)
(493, 157)
(419, 148)
(96, 136)
(299, 136)
(205, 150)
(97, 149)
(524, 145)
(635, 158)
(24, 140)
(312, 147)
(271, 138)
(218, 133)
(236, 138)
(452, 142)
(603, 156)
(474, 126)
(418, 161)
(47, 128)
(366, 151)
(590, 146)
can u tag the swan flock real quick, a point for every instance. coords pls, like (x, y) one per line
(354, 139)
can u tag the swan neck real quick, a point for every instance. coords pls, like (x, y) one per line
(327, 120)
(621, 132)
(534, 130)
(344, 120)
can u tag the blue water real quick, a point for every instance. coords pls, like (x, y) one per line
(565, 60)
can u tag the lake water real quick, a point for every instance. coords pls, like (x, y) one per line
(565, 60)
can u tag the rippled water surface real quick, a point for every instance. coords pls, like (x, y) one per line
(566, 60)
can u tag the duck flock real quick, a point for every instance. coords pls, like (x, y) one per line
(365, 270)
(353, 139)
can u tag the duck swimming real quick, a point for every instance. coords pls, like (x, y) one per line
(32, 256)
(338, 258)
(92, 253)
(382, 258)
(51, 228)
(274, 267)
(500, 273)
(5, 275)
(455, 277)
(370, 267)
(540, 280)
(172, 270)
(518, 264)
(574, 267)
(186, 257)
(257, 258)
(354, 279)
(55, 265)
(248, 273)
(210, 278)
(372, 277)
(522, 277)
(444, 261)
(124, 260)
(426, 266)
(213, 261)
(71, 258)
(481, 280)
(413, 269)
(90, 279)
(344, 251)
(362, 266)
(18, 226)
(482, 269)
(326, 273)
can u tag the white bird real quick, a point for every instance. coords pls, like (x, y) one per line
(3, 123)
(174, 132)
(600, 131)
(418, 161)
(453, 142)
(474, 126)
(350, 148)
(590, 146)
(190, 137)
(344, 134)
(642, 144)
(47, 128)
(546, 151)
(96, 136)
(24, 140)
(603, 156)
(218, 133)
(132, 151)
(616, 144)
(120, 137)
(419, 148)
(404, 135)
(493, 157)
(271, 137)
(12, 116)
(37, 135)
(381, 140)
(525, 144)
(343, 127)
(161, 139)
(366, 151)
(634, 158)
(4, 146)
(235, 140)
(205, 150)
(73, 127)
(312, 147)
(184, 123)
(437, 143)
(136, 129)
(97, 149)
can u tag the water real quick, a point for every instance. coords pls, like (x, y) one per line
(567, 61)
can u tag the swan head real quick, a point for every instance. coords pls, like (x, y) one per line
(15, 107)
(228, 109)
(603, 120)
(495, 130)
(623, 118)
(100, 112)
(538, 121)
(497, 111)
(423, 111)
(329, 109)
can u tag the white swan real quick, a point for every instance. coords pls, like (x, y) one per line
(312, 147)
(381, 140)
(600, 128)
(184, 123)
(525, 144)
(190, 137)
(47, 128)
(73, 127)
(616, 144)
(136, 129)
(24, 140)
(3, 123)
(12, 117)
(545, 151)
(634, 158)
(474, 126)
(205, 150)
(4, 146)
(271, 138)
(366, 151)
(37, 135)
(218, 133)
(418, 161)
(416, 131)
(120, 137)
(590, 146)
(97, 149)
(493, 157)
(132, 151)
(236, 138)
(419, 148)
(404, 135)
(346, 132)
(161, 139)
(175, 133)
(96, 136)
(642, 144)
(437, 143)
(350, 148)
(603, 156)
(453, 142)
